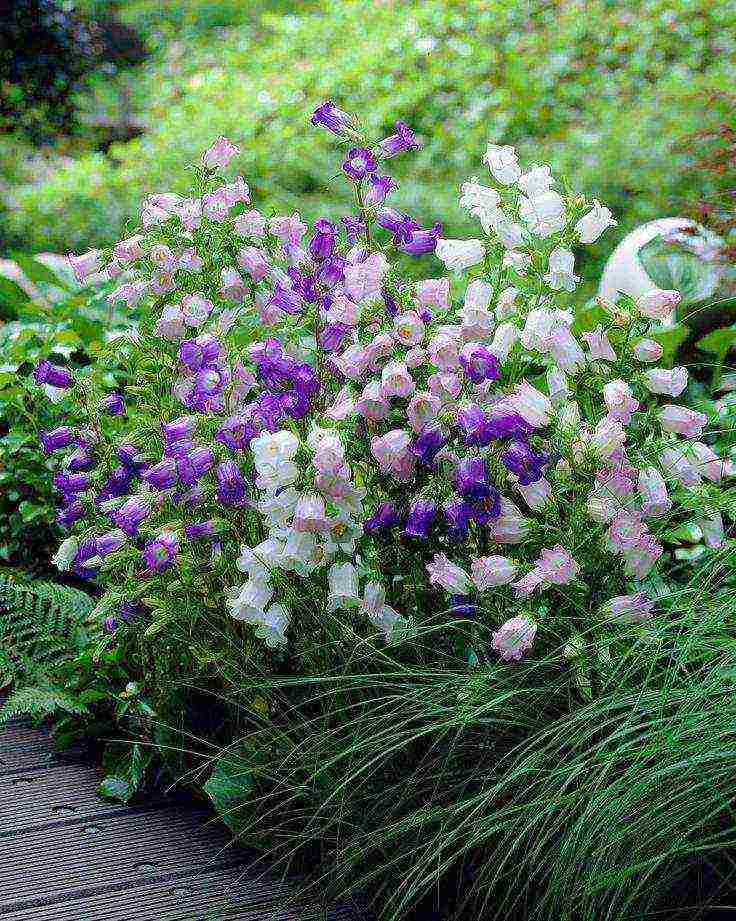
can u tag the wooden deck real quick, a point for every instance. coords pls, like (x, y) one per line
(65, 855)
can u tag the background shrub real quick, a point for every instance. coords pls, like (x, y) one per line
(598, 89)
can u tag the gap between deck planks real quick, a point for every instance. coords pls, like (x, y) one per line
(66, 855)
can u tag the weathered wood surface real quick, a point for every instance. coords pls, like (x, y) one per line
(65, 855)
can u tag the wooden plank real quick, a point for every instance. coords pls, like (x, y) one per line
(222, 894)
(22, 758)
(49, 795)
(74, 858)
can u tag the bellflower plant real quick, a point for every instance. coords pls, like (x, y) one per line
(323, 448)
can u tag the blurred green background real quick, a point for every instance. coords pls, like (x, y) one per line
(602, 89)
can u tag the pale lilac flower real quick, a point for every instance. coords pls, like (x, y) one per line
(128, 250)
(161, 282)
(641, 559)
(511, 527)
(670, 382)
(460, 254)
(190, 214)
(503, 163)
(448, 575)
(560, 276)
(372, 403)
(237, 191)
(599, 344)
(189, 261)
(531, 404)
(539, 325)
(712, 527)
(504, 339)
(676, 464)
(196, 309)
(159, 208)
(85, 265)
(620, 401)
(629, 609)
(658, 304)
(363, 280)
(353, 362)
(514, 638)
(557, 566)
(310, 514)
(250, 224)
(566, 350)
(393, 453)
(415, 357)
(272, 626)
(506, 302)
(647, 351)
(446, 386)
(537, 494)
(131, 293)
(653, 491)
(232, 287)
(289, 228)
(544, 213)
(220, 154)
(591, 225)
(707, 461)
(492, 571)
(343, 406)
(434, 292)
(342, 310)
(557, 386)
(343, 587)
(162, 257)
(409, 328)
(396, 380)
(171, 324)
(535, 180)
(254, 261)
(422, 410)
(682, 420)
(382, 616)
(608, 436)
(444, 352)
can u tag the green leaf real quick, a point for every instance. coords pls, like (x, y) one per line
(682, 271)
(231, 783)
(39, 273)
(116, 788)
(670, 338)
(720, 341)
(12, 298)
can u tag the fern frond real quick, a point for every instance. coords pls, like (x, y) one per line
(41, 626)
(39, 703)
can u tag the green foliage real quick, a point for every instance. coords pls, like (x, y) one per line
(66, 325)
(600, 95)
(497, 792)
(41, 627)
(232, 783)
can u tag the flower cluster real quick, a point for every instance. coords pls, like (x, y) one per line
(372, 449)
